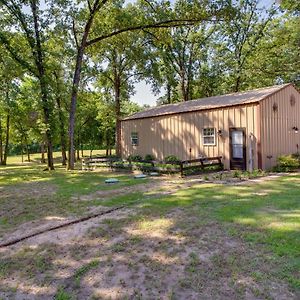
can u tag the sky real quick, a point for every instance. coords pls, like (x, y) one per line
(143, 94)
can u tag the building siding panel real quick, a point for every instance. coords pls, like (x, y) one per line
(177, 134)
(277, 136)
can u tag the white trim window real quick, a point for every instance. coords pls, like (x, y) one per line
(209, 136)
(134, 139)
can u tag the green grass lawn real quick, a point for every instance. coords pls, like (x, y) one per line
(266, 215)
(249, 231)
(36, 157)
(28, 193)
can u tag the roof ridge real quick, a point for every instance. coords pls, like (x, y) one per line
(235, 93)
(218, 98)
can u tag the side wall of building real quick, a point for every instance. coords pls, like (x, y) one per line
(181, 134)
(279, 114)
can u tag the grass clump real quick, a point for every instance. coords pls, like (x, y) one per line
(62, 295)
(84, 270)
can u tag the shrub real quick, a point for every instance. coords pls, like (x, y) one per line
(237, 174)
(296, 156)
(149, 157)
(135, 158)
(287, 163)
(172, 158)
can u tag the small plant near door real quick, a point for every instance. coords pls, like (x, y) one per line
(257, 173)
(237, 174)
(248, 175)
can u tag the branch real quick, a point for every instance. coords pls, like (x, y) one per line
(19, 15)
(89, 5)
(75, 33)
(162, 24)
(133, 75)
(150, 4)
(108, 77)
(15, 55)
(98, 5)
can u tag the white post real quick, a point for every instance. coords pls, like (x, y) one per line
(251, 136)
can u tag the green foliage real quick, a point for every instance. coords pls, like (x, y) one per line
(135, 158)
(287, 163)
(246, 46)
(149, 157)
(256, 173)
(84, 270)
(62, 295)
(291, 6)
(237, 174)
(171, 158)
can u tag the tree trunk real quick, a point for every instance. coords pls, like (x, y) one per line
(169, 93)
(48, 131)
(4, 160)
(117, 88)
(237, 84)
(63, 142)
(185, 94)
(27, 149)
(1, 143)
(107, 142)
(75, 87)
(28, 152)
(39, 61)
(78, 147)
(43, 161)
(76, 81)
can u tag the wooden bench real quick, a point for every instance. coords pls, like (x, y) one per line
(200, 163)
(90, 163)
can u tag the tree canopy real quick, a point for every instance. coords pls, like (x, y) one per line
(68, 69)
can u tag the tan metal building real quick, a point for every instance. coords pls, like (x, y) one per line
(248, 129)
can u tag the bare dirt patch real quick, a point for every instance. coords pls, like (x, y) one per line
(126, 256)
(63, 235)
(33, 190)
(154, 184)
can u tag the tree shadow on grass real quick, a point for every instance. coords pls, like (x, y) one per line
(28, 193)
(208, 242)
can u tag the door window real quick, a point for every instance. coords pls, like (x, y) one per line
(237, 144)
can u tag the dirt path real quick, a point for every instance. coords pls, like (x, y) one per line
(55, 230)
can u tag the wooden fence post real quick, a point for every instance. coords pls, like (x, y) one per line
(181, 168)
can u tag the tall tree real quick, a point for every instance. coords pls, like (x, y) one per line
(149, 16)
(10, 74)
(118, 67)
(240, 39)
(180, 55)
(27, 17)
(277, 59)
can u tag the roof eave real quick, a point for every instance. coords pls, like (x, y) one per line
(211, 108)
